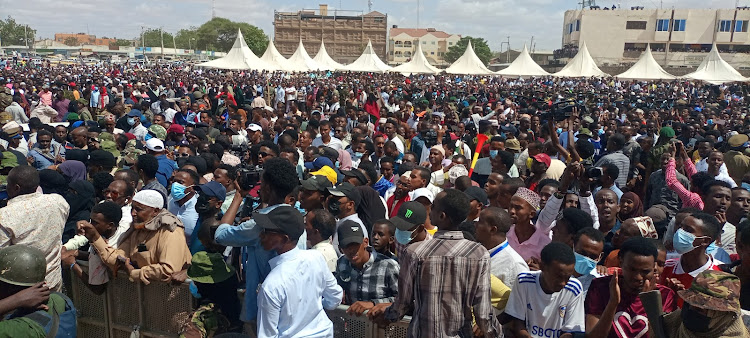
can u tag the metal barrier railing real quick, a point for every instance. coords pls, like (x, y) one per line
(162, 309)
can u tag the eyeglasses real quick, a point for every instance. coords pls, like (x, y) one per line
(263, 154)
(182, 154)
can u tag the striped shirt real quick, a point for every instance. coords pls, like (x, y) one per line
(448, 278)
(377, 282)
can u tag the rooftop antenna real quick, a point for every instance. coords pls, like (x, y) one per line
(587, 3)
(213, 9)
(369, 5)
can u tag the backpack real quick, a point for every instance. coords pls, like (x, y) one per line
(58, 325)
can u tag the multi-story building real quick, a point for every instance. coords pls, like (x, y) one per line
(345, 33)
(678, 37)
(84, 39)
(403, 44)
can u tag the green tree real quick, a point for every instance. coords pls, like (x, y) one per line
(480, 48)
(122, 43)
(219, 34)
(13, 33)
(153, 38)
(71, 41)
(186, 38)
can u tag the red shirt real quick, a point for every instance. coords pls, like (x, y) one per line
(673, 269)
(394, 204)
(630, 316)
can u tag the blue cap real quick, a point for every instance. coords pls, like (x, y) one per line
(77, 124)
(134, 113)
(319, 162)
(212, 189)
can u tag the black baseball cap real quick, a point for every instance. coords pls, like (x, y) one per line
(355, 173)
(478, 194)
(102, 158)
(410, 214)
(316, 182)
(329, 152)
(347, 190)
(350, 232)
(212, 189)
(285, 219)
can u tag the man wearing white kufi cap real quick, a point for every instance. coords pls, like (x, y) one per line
(153, 249)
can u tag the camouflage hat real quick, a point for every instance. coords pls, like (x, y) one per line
(158, 131)
(83, 101)
(106, 136)
(130, 153)
(714, 290)
(5, 117)
(111, 147)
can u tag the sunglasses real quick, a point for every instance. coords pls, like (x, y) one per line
(263, 154)
(181, 154)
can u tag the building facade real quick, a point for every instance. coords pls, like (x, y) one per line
(402, 44)
(345, 33)
(84, 39)
(678, 37)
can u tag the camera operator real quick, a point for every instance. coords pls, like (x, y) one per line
(278, 180)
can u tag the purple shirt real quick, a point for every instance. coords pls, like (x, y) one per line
(61, 106)
(532, 247)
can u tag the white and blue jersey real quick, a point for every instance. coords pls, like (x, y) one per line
(547, 315)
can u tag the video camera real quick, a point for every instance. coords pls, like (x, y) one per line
(563, 110)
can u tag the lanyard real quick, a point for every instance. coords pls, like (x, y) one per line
(492, 254)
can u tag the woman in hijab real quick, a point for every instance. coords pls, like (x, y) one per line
(345, 160)
(72, 170)
(371, 208)
(630, 206)
(52, 182)
(80, 197)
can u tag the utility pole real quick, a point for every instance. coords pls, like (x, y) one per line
(508, 54)
(174, 45)
(143, 44)
(213, 9)
(161, 33)
(25, 37)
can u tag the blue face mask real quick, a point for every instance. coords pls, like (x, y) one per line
(493, 153)
(178, 191)
(559, 130)
(683, 241)
(584, 265)
(710, 122)
(358, 155)
(131, 121)
(403, 237)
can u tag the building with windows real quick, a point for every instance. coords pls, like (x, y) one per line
(344, 32)
(83, 39)
(678, 37)
(435, 43)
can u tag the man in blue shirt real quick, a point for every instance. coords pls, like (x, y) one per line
(278, 180)
(156, 147)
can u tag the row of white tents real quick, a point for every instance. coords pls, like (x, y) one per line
(713, 69)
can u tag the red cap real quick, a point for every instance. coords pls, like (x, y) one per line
(544, 158)
(130, 136)
(72, 84)
(176, 128)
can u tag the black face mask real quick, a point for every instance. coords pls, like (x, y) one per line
(334, 206)
(694, 321)
(203, 205)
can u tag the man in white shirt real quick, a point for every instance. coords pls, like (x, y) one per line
(325, 138)
(548, 303)
(505, 263)
(291, 96)
(320, 225)
(293, 296)
(136, 128)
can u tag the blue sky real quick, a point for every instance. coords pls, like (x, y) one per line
(492, 20)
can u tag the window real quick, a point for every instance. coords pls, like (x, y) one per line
(570, 28)
(639, 25)
(725, 26)
(432, 53)
(578, 25)
(740, 26)
(450, 43)
(662, 25)
(424, 42)
(433, 42)
(679, 25)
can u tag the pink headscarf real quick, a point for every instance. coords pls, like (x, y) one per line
(345, 160)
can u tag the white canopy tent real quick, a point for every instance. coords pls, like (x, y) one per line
(417, 65)
(239, 57)
(300, 61)
(582, 65)
(324, 61)
(469, 63)
(368, 62)
(715, 70)
(523, 65)
(273, 60)
(646, 69)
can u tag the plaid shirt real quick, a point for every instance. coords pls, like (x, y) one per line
(377, 282)
(448, 278)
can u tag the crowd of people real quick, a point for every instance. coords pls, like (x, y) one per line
(479, 206)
